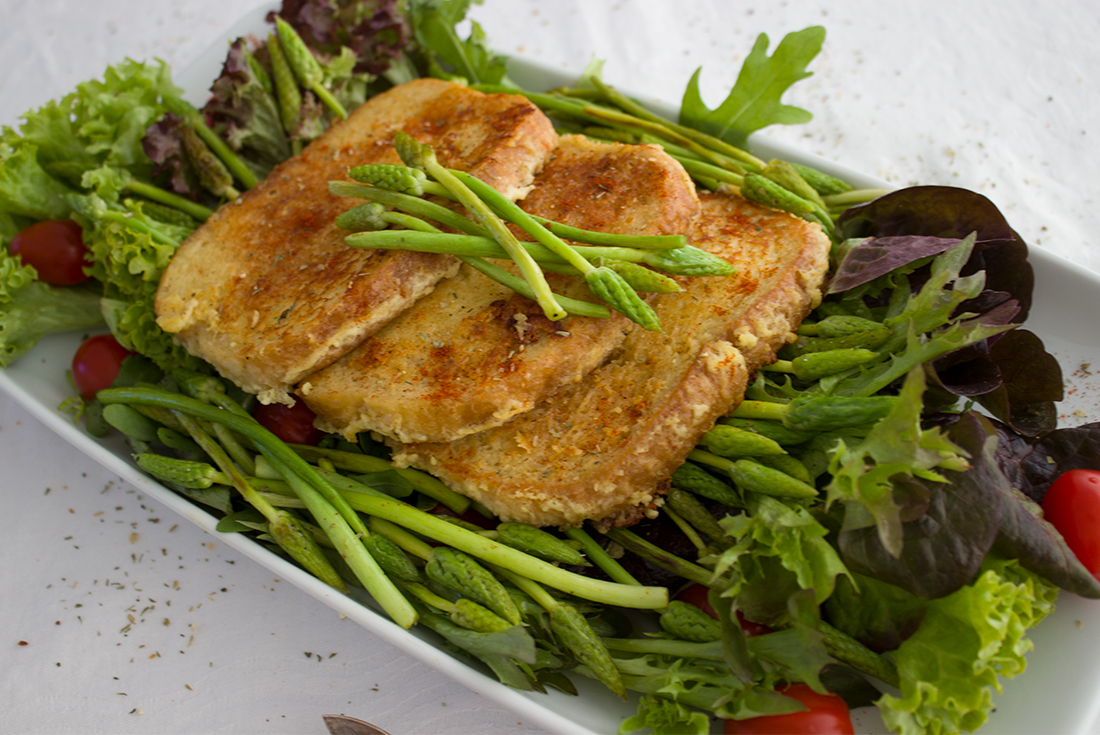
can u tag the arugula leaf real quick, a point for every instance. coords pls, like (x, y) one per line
(755, 100)
(867, 476)
(434, 23)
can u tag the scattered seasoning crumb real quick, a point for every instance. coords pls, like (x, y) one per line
(23, 643)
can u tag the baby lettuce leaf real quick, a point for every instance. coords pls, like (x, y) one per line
(37, 309)
(755, 100)
(877, 479)
(1010, 373)
(446, 54)
(879, 615)
(27, 189)
(1033, 464)
(666, 716)
(969, 514)
(877, 256)
(776, 544)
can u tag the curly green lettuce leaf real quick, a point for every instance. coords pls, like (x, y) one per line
(952, 665)
(664, 716)
(27, 189)
(102, 122)
(755, 100)
(31, 309)
(36, 310)
(14, 275)
(111, 115)
(777, 550)
(134, 325)
(129, 251)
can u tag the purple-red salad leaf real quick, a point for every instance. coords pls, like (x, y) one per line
(163, 144)
(1023, 534)
(950, 212)
(878, 256)
(243, 111)
(375, 30)
(943, 549)
(1012, 376)
(1033, 464)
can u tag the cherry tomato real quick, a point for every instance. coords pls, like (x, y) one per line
(56, 250)
(696, 594)
(292, 424)
(1072, 505)
(826, 714)
(96, 363)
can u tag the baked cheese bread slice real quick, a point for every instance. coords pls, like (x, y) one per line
(602, 449)
(474, 354)
(267, 291)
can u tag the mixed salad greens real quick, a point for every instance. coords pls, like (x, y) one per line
(865, 523)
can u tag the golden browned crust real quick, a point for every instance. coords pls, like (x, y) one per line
(473, 354)
(267, 291)
(602, 449)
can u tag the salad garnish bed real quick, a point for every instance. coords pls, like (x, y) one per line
(865, 523)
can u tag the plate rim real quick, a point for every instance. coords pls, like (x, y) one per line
(1048, 266)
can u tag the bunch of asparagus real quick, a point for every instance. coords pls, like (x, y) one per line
(601, 112)
(613, 266)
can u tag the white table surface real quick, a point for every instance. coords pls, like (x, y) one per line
(118, 617)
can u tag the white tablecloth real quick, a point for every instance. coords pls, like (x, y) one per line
(118, 616)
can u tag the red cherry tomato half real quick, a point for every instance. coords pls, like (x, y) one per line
(826, 714)
(56, 250)
(696, 594)
(1072, 505)
(292, 424)
(96, 363)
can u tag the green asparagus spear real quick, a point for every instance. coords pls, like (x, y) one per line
(539, 543)
(418, 155)
(305, 66)
(287, 93)
(225, 154)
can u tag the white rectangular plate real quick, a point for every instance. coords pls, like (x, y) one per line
(1056, 694)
